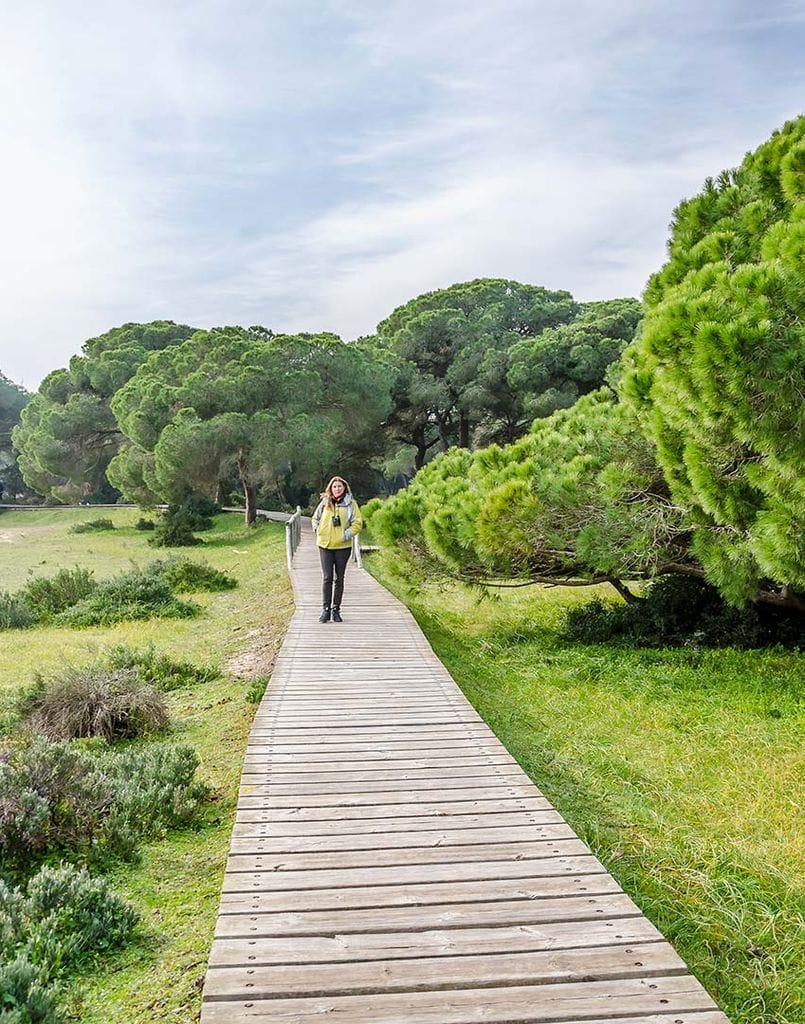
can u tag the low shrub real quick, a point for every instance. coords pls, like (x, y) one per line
(92, 526)
(61, 916)
(15, 612)
(96, 701)
(159, 670)
(154, 788)
(145, 524)
(174, 533)
(47, 596)
(26, 997)
(52, 797)
(185, 576)
(140, 594)
(181, 522)
(258, 688)
(58, 799)
(681, 610)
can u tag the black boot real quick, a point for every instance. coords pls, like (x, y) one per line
(325, 614)
(337, 615)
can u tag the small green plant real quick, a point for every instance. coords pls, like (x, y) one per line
(48, 926)
(93, 526)
(159, 670)
(60, 916)
(15, 612)
(258, 687)
(185, 576)
(47, 596)
(174, 532)
(140, 594)
(26, 997)
(154, 788)
(52, 797)
(681, 610)
(58, 799)
(96, 701)
(145, 524)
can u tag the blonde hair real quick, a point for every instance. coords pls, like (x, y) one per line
(327, 493)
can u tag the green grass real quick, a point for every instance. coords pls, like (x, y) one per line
(176, 885)
(682, 769)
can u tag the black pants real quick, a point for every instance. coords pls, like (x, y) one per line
(333, 559)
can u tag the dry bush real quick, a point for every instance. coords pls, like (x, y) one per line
(96, 701)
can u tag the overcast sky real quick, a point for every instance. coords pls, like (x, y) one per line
(311, 164)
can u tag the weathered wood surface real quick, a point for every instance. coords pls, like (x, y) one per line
(392, 864)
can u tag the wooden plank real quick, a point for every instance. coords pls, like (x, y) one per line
(392, 748)
(547, 820)
(403, 782)
(283, 881)
(608, 1001)
(348, 734)
(377, 776)
(530, 886)
(387, 946)
(444, 795)
(394, 812)
(261, 759)
(464, 971)
(424, 917)
(533, 849)
(379, 838)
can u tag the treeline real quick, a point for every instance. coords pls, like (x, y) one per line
(554, 440)
(160, 411)
(692, 463)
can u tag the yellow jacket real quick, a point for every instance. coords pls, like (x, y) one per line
(328, 535)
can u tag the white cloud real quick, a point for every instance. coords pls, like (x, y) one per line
(312, 165)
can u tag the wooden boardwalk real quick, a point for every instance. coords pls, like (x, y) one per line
(391, 863)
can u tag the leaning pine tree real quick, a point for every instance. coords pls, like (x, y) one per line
(719, 372)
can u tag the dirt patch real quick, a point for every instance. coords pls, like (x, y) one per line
(258, 658)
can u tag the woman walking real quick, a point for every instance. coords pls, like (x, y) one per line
(336, 521)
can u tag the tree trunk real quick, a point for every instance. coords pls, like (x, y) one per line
(441, 428)
(249, 488)
(463, 430)
(219, 493)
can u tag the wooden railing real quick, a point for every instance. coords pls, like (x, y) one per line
(356, 551)
(293, 534)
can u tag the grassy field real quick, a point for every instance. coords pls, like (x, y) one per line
(176, 885)
(682, 769)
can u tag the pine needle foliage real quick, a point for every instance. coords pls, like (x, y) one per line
(719, 369)
(581, 497)
(185, 576)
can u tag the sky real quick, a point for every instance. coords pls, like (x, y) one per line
(311, 165)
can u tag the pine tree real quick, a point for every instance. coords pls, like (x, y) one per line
(719, 371)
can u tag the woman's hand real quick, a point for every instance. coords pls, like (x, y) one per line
(348, 533)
